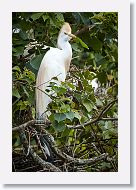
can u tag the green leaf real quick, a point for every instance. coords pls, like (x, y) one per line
(16, 68)
(70, 115)
(16, 140)
(23, 104)
(59, 126)
(23, 35)
(70, 85)
(99, 59)
(65, 132)
(82, 43)
(59, 117)
(59, 89)
(108, 125)
(76, 48)
(65, 107)
(18, 51)
(95, 43)
(102, 77)
(36, 61)
(45, 17)
(77, 115)
(60, 17)
(36, 16)
(99, 102)
(33, 112)
(87, 104)
(25, 91)
(15, 92)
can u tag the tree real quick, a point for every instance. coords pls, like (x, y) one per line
(83, 123)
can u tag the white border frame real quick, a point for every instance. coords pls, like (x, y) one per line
(123, 174)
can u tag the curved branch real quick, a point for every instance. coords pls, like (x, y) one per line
(24, 125)
(84, 29)
(37, 158)
(68, 158)
(63, 156)
(43, 163)
(107, 107)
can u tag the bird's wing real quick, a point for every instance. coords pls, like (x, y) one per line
(51, 66)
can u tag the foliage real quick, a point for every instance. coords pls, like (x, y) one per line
(95, 55)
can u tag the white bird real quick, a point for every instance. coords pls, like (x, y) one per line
(55, 63)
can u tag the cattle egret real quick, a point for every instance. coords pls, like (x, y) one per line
(55, 63)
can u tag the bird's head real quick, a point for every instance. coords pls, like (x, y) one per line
(65, 32)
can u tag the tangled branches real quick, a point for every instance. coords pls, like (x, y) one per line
(61, 161)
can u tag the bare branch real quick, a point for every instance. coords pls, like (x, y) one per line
(37, 158)
(43, 163)
(68, 158)
(23, 126)
(63, 156)
(84, 29)
(107, 107)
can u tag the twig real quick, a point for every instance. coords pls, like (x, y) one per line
(84, 29)
(29, 143)
(109, 119)
(43, 163)
(53, 146)
(107, 107)
(68, 158)
(37, 158)
(23, 126)
(46, 81)
(86, 161)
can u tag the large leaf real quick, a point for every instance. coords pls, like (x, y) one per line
(70, 115)
(59, 117)
(18, 51)
(59, 126)
(87, 104)
(102, 77)
(36, 61)
(45, 17)
(36, 16)
(83, 44)
(95, 43)
(77, 115)
(15, 92)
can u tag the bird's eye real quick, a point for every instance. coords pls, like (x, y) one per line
(65, 33)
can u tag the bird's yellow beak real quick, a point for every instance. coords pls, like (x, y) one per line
(72, 35)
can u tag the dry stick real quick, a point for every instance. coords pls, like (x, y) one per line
(68, 158)
(43, 163)
(32, 122)
(23, 126)
(29, 143)
(37, 158)
(93, 160)
(109, 119)
(84, 29)
(64, 156)
(61, 155)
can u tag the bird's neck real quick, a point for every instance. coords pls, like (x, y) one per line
(64, 45)
(67, 52)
